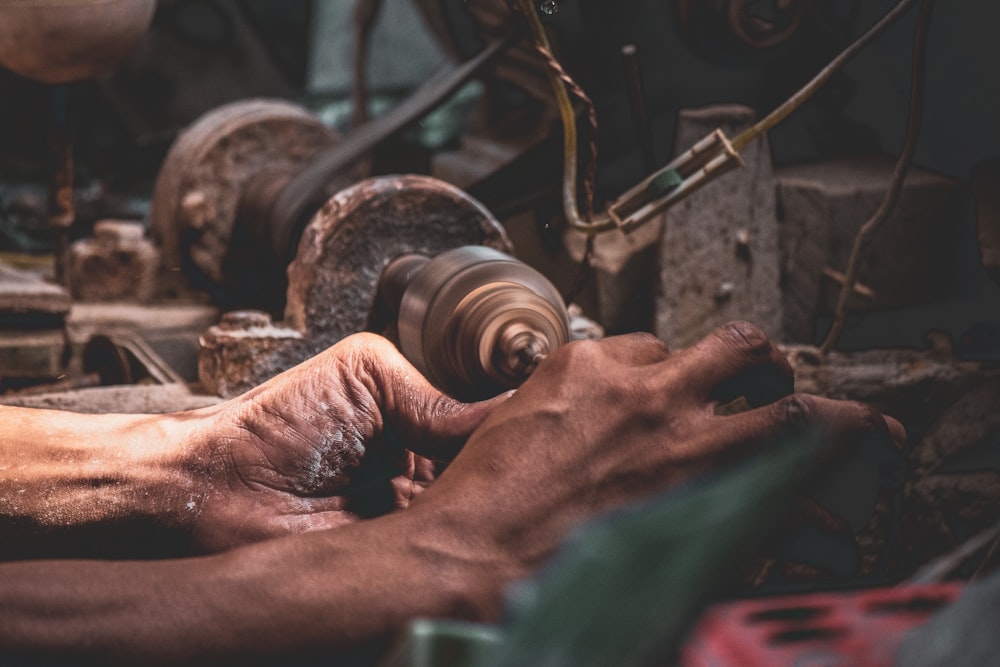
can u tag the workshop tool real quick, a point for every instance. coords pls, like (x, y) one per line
(239, 184)
(226, 163)
(474, 320)
(334, 278)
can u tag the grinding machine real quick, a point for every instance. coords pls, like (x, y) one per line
(469, 315)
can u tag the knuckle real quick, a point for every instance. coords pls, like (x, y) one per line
(649, 340)
(868, 417)
(794, 412)
(746, 337)
(578, 351)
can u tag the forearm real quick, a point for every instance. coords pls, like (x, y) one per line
(317, 594)
(63, 472)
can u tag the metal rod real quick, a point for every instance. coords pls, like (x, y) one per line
(636, 92)
(61, 214)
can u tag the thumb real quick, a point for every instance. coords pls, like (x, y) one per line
(415, 413)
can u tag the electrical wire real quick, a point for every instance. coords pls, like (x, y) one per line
(911, 137)
(821, 79)
(597, 223)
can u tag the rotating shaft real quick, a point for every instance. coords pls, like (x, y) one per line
(474, 320)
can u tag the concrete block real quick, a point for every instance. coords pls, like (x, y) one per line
(718, 252)
(821, 208)
(625, 274)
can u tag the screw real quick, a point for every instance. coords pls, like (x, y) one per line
(549, 7)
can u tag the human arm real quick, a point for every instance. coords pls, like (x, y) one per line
(318, 447)
(598, 426)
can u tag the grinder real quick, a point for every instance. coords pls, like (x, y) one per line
(474, 320)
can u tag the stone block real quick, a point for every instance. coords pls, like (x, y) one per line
(821, 208)
(718, 252)
(625, 274)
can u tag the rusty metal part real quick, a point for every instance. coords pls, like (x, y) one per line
(57, 41)
(211, 167)
(475, 321)
(732, 23)
(117, 264)
(126, 358)
(244, 349)
(333, 282)
(271, 165)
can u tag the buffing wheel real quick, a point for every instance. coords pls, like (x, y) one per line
(476, 321)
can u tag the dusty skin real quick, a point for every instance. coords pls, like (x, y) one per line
(312, 494)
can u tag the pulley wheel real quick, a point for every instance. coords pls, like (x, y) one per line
(249, 145)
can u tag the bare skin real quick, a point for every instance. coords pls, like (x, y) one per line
(317, 449)
(598, 426)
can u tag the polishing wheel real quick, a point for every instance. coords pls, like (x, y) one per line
(474, 320)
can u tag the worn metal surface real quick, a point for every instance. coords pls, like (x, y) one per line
(476, 321)
(198, 192)
(333, 282)
(245, 348)
(116, 264)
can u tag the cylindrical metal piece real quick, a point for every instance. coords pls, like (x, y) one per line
(476, 321)
(636, 92)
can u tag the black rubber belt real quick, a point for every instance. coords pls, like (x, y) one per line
(306, 191)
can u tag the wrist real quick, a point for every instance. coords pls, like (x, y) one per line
(472, 560)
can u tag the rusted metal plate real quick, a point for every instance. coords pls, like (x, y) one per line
(334, 278)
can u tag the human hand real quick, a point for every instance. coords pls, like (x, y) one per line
(603, 424)
(351, 433)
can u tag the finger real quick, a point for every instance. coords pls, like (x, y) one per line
(635, 349)
(436, 426)
(632, 350)
(736, 360)
(417, 415)
(835, 425)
